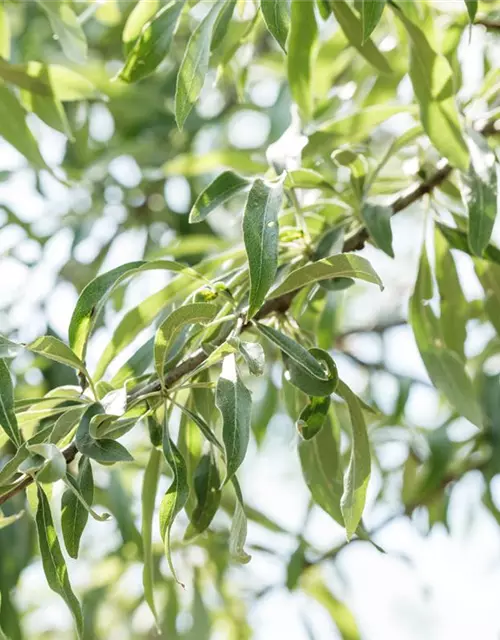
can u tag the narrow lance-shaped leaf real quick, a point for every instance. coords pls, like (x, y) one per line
(74, 516)
(224, 187)
(54, 349)
(176, 496)
(471, 6)
(301, 52)
(194, 65)
(142, 13)
(102, 450)
(345, 265)
(153, 43)
(309, 384)
(149, 488)
(53, 562)
(313, 416)
(8, 420)
(261, 236)
(196, 312)
(371, 12)
(238, 533)
(276, 14)
(358, 472)
(377, 219)
(208, 494)
(235, 404)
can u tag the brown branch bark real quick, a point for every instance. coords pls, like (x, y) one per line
(278, 305)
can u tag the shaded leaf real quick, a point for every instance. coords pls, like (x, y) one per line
(276, 14)
(8, 420)
(300, 58)
(224, 187)
(313, 416)
(74, 516)
(378, 222)
(309, 384)
(471, 6)
(238, 533)
(149, 489)
(254, 356)
(371, 12)
(102, 450)
(208, 494)
(261, 236)
(67, 29)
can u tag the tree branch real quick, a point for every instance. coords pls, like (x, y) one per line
(278, 305)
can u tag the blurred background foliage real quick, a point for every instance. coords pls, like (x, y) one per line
(108, 177)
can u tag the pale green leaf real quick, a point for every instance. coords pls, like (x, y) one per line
(55, 466)
(238, 533)
(9, 349)
(301, 53)
(224, 187)
(142, 13)
(346, 265)
(276, 14)
(53, 562)
(74, 515)
(54, 349)
(261, 236)
(149, 489)
(358, 472)
(197, 164)
(4, 33)
(235, 404)
(67, 29)
(377, 219)
(254, 356)
(5, 521)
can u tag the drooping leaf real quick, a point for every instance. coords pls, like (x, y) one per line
(235, 404)
(153, 44)
(193, 313)
(149, 489)
(224, 187)
(301, 51)
(471, 6)
(14, 129)
(208, 494)
(54, 349)
(313, 416)
(74, 516)
(194, 65)
(371, 12)
(4, 33)
(53, 562)
(141, 14)
(261, 236)
(67, 29)
(357, 35)
(276, 14)
(358, 472)
(202, 425)
(238, 533)
(294, 351)
(8, 420)
(458, 239)
(222, 24)
(377, 219)
(345, 265)
(102, 450)
(432, 80)
(254, 356)
(302, 379)
(176, 496)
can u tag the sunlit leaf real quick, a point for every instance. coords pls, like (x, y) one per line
(4, 33)
(276, 14)
(102, 450)
(142, 13)
(301, 51)
(313, 416)
(149, 489)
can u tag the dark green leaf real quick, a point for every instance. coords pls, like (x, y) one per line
(261, 236)
(378, 222)
(276, 14)
(153, 44)
(457, 238)
(53, 562)
(208, 494)
(345, 265)
(310, 384)
(313, 416)
(74, 516)
(102, 450)
(358, 472)
(224, 187)
(301, 53)
(235, 404)
(371, 12)
(8, 420)
(471, 6)
(149, 488)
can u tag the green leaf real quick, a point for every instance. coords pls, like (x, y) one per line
(222, 24)
(358, 472)
(8, 420)
(5, 521)
(345, 265)
(313, 416)
(235, 404)
(309, 384)
(307, 179)
(176, 496)
(102, 450)
(322, 467)
(294, 351)
(203, 427)
(4, 33)
(153, 44)
(471, 6)
(371, 12)
(194, 65)
(55, 466)
(377, 219)
(276, 14)
(356, 34)
(432, 80)
(301, 54)
(208, 495)
(458, 239)
(149, 489)
(54, 349)
(238, 533)
(53, 562)
(224, 187)
(141, 14)
(193, 313)
(74, 516)
(254, 356)
(14, 129)
(481, 194)
(67, 29)
(9, 349)
(445, 368)
(261, 236)
(94, 296)
(190, 164)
